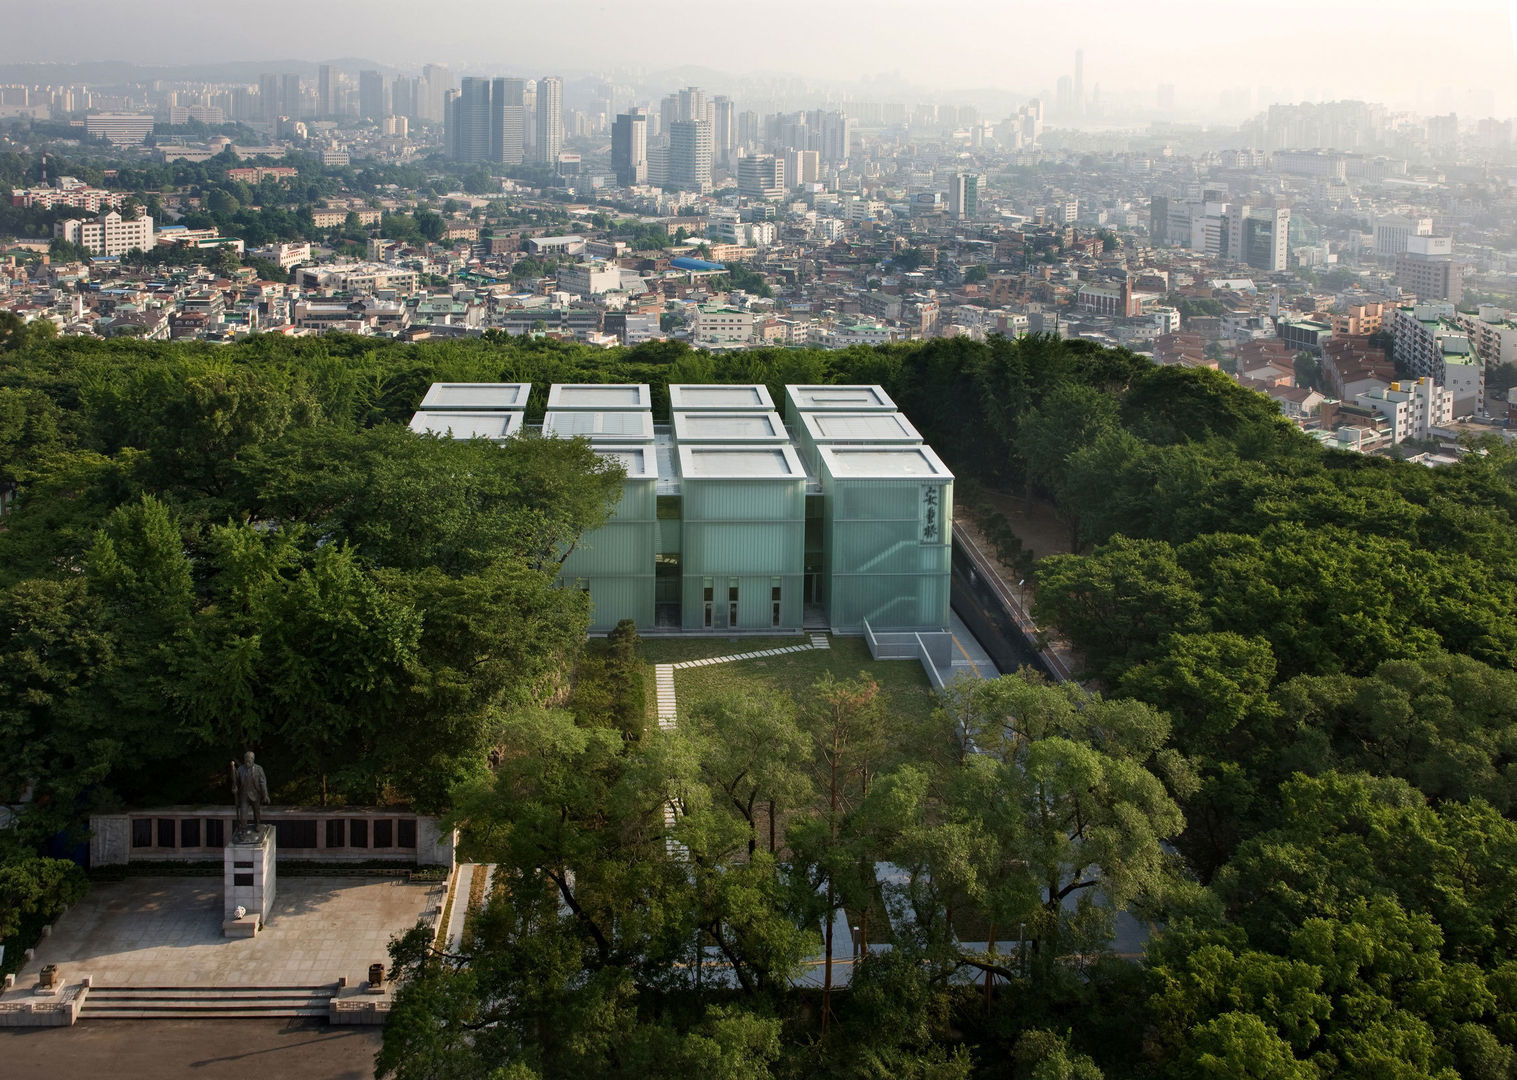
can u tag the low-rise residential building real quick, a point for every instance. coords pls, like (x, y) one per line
(1308, 335)
(285, 256)
(358, 277)
(335, 218)
(713, 327)
(1412, 409)
(108, 234)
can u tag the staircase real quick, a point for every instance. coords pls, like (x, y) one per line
(205, 1002)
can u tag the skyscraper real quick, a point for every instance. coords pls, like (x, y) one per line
(324, 88)
(723, 131)
(690, 155)
(406, 97)
(439, 81)
(508, 121)
(371, 95)
(629, 148)
(469, 132)
(268, 98)
(550, 117)
(290, 103)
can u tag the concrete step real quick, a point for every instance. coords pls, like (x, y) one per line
(203, 1002)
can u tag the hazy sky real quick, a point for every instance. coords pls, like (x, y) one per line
(1434, 56)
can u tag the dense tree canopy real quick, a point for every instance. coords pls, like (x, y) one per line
(1295, 768)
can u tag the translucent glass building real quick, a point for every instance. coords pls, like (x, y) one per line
(734, 520)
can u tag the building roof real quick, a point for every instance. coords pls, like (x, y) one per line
(692, 397)
(477, 397)
(882, 463)
(457, 424)
(618, 425)
(826, 427)
(599, 396)
(730, 427)
(857, 398)
(715, 462)
(641, 462)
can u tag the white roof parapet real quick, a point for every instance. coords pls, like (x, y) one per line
(694, 397)
(849, 398)
(882, 463)
(730, 427)
(599, 396)
(851, 427)
(476, 397)
(456, 424)
(706, 462)
(614, 425)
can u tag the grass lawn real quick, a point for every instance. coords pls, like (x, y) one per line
(904, 683)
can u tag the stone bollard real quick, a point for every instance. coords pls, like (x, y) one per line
(47, 930)
(10, 982)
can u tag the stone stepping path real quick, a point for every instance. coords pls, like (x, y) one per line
(746, 656)
(668, 707)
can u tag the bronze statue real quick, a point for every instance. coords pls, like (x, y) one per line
(251, 790)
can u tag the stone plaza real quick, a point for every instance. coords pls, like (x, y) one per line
(167, 932)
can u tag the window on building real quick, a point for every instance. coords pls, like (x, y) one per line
(337, 833)
(405, 829)
(732, 602)
(189, 832)
(142, 832)
(774, 601)
(384, 833)
(215, 832)
(167, 832)
(358, 834)
(708, 599)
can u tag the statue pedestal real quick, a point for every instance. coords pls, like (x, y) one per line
(248, 881)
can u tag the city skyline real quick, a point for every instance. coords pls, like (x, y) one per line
(1127, 56)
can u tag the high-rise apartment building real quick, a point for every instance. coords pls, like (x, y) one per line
(802, 167)
(371, 96)
(964, 196)
(550, 118)
(508, 121)
(468, 127)
(761, 176)
(690, 155)
(629, 148)
(836, 138)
